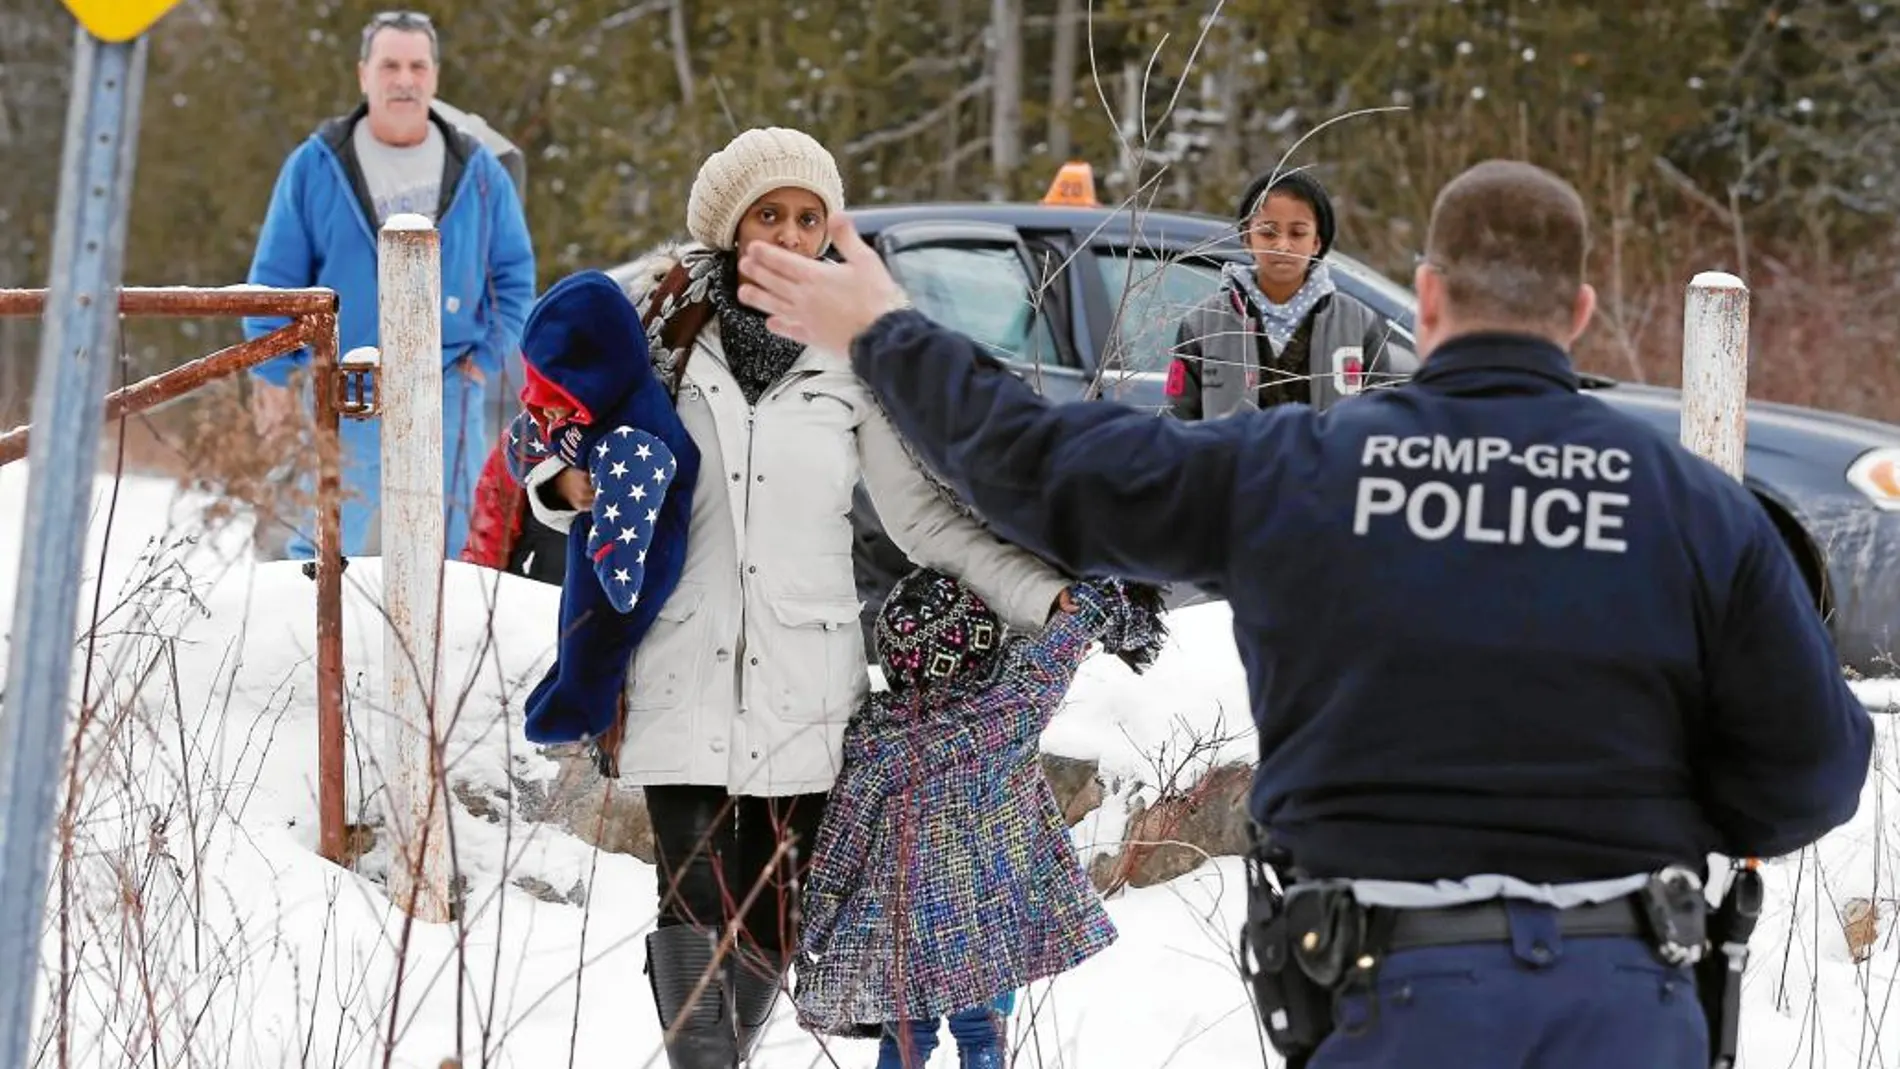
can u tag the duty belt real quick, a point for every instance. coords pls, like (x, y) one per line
(1485, 922)
(1305, 943)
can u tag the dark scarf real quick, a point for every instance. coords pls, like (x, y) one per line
(757, 357)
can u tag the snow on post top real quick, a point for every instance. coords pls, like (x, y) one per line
(364, 355)
(408, 221)
(1717, 280)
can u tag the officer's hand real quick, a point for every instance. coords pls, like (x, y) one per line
(823, 304)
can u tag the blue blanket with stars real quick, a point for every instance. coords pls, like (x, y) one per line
(631, 470)
(625, 556)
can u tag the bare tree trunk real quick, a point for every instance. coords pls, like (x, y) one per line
(682, 58)
(1133, 144)
(952, 122)
(1226, 156)
(1006, 107)
(1062, 76)
(765, 95)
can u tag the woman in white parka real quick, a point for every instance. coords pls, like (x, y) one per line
(737, 699)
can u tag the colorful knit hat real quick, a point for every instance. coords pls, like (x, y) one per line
(933, 627)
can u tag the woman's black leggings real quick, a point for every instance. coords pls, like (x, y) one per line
(715, 848)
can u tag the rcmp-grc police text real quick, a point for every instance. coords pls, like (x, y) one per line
(1490, 625)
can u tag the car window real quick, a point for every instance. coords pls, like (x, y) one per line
(1383, 295)
(1148, 296)
(982, 290)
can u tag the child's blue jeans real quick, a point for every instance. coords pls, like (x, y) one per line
(977, 1030)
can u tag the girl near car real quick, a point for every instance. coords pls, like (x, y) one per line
(1277, 330)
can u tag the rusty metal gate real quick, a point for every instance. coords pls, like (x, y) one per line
(339, 393)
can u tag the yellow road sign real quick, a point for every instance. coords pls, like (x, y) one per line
(118, 20)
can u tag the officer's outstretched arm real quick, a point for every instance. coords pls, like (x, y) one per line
(1098, 488)
(1790, 742)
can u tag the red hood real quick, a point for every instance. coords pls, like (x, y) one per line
(542, 393)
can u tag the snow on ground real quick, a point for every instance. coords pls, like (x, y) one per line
(1879, 694)
(260, 953)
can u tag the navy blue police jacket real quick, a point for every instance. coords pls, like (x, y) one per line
(1489, 624)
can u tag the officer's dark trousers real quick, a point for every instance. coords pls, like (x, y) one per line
(1538, 1002)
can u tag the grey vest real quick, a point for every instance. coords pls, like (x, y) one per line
(1218, 345)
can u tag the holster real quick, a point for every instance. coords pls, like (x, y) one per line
(1294, 1008)
(1719, 973)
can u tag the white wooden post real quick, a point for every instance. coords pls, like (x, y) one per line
(410, 396)
(1715, 369)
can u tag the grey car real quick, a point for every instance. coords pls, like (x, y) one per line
(1083, 303)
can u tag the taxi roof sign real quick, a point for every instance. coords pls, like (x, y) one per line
(1073, 187)
(117, 21)
(1877, 474)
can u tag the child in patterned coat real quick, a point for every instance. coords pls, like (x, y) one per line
(942, 877)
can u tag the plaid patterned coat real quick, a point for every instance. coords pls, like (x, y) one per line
(943, 875)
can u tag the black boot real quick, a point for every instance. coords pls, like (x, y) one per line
(755, 984)
(677, 957)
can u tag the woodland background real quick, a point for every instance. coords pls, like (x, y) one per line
(1739, 135)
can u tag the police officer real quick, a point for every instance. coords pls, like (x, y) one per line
(1518, 662)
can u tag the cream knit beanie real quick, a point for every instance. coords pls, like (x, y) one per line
(750, 166)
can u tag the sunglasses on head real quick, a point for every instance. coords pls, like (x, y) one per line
(406, 21)
(384, 20)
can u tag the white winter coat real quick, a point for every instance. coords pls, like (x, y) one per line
(757, 660)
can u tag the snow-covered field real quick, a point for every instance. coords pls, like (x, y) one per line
(201, 914)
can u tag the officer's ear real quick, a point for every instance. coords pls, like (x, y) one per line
(1580, 313)
(1429, 286)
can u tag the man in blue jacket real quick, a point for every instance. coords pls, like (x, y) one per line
(1512, 654)
(394, 154)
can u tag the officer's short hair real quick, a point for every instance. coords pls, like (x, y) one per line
(1509, 239)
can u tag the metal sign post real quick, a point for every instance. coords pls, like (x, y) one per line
(76, 354)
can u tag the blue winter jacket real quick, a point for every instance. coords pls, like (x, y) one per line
(319, 231)
(1490, 624)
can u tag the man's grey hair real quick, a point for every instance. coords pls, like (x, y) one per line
(406, 21)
